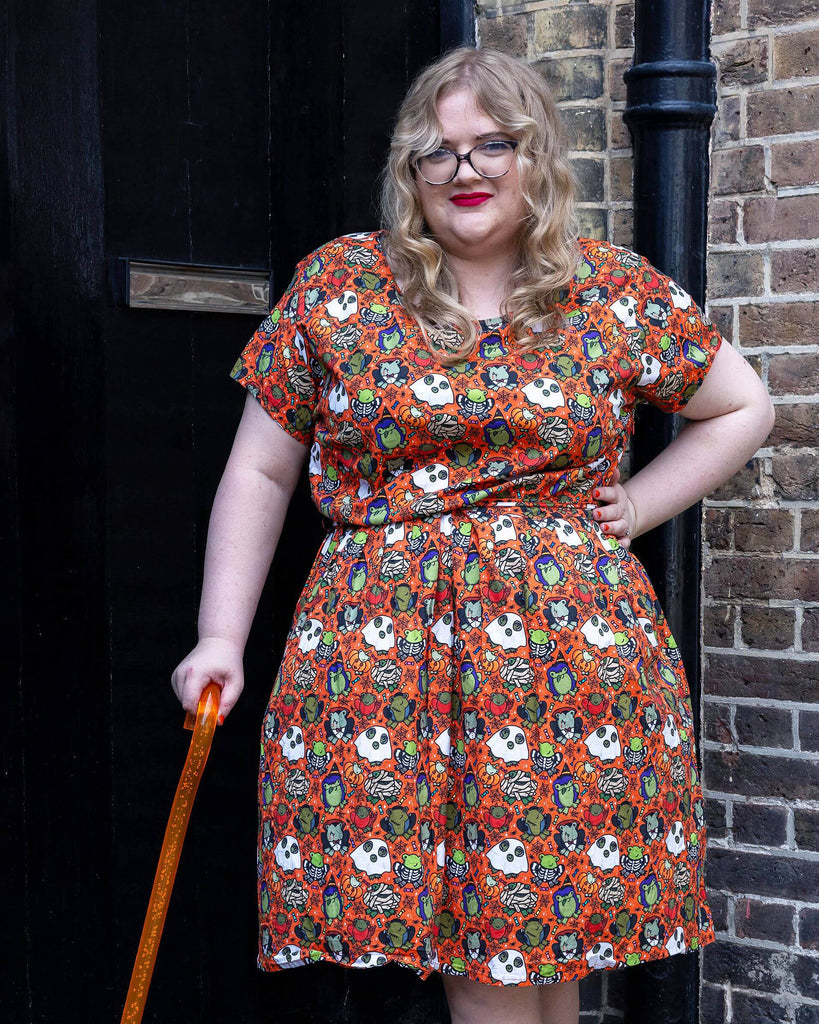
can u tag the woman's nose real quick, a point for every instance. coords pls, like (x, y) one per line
(466, 172)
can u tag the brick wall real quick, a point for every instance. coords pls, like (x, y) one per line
(761, 621)
(761, 585)
(582, 49)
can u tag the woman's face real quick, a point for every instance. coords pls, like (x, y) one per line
(472, 217)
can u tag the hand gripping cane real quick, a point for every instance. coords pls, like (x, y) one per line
(203, 725)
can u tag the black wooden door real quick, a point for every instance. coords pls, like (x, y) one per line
(241, 135)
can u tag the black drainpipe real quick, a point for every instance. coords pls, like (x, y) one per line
(671, 93)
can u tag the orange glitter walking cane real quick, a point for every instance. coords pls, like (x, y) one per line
(203, 725)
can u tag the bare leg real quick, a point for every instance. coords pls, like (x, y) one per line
(472, 1002)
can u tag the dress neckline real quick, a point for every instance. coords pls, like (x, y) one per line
(492, 325)
(488, 325)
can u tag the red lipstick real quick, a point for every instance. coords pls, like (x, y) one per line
(470, 198)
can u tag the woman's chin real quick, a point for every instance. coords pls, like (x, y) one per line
(477, 239)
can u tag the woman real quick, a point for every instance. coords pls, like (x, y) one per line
(477, 758)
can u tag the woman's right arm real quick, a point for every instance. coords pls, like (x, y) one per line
(245, 524)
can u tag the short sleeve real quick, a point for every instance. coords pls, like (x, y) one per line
(278, 366)
(674, 344)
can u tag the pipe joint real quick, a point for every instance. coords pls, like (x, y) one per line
(671, 92)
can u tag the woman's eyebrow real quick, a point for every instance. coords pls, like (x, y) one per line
(447, 143)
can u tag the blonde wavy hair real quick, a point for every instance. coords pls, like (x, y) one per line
(515, 96)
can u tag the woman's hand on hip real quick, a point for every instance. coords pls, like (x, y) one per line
(615, 512)
(213, 660)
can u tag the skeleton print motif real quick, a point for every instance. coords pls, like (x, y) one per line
(478, 753)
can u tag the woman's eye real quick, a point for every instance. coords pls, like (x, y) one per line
(439, 154)
(494, 148)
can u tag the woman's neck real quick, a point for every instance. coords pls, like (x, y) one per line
(483, 285)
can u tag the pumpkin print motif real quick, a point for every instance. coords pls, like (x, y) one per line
(478, 753)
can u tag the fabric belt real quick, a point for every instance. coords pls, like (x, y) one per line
(544, 507)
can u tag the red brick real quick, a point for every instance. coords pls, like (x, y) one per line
(734, 273)
(806, 829)
(577, 27)
(588, 173)
(716, 818)
(743, 964)
(772, 220)
(713, 1000)
(616, 70)
(624, 26)
(760, 578)
(768, 629)
(507, 34)
(743, 62)
(723, 319)
(758, 825)
(573, 78)
(795, 424)
(763, 529)
(809, 928)
(717, 719)
(620, 178)
(738, 170)
(585, 128)
(761, 775)
(764, 727)
(755, 919)
(620, 137)
(755, 362)
(795, 270)
(746, 1006)
(764, 876)
(806, 976)
(743, 484)
(797, 54)
(622, 227)
(794, 374)
(719, 524)
(764, 12)
(782, 111)
(810, 630)
(810, 531)
(796, 478)
(722, 222)
(809, 730)
(779, 323)
(592, 221)
(734, 675)
(718, 905)
(718, 625)
(726, 16)
(795, 163)
(726, 123)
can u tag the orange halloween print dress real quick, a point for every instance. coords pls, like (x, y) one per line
(478, 754)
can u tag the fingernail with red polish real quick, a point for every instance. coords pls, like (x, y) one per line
(596, 494)
(605, 527)
(221, 719)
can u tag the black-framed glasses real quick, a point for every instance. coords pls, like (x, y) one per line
(489, 159)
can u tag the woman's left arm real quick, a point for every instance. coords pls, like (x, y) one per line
(729, 418)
